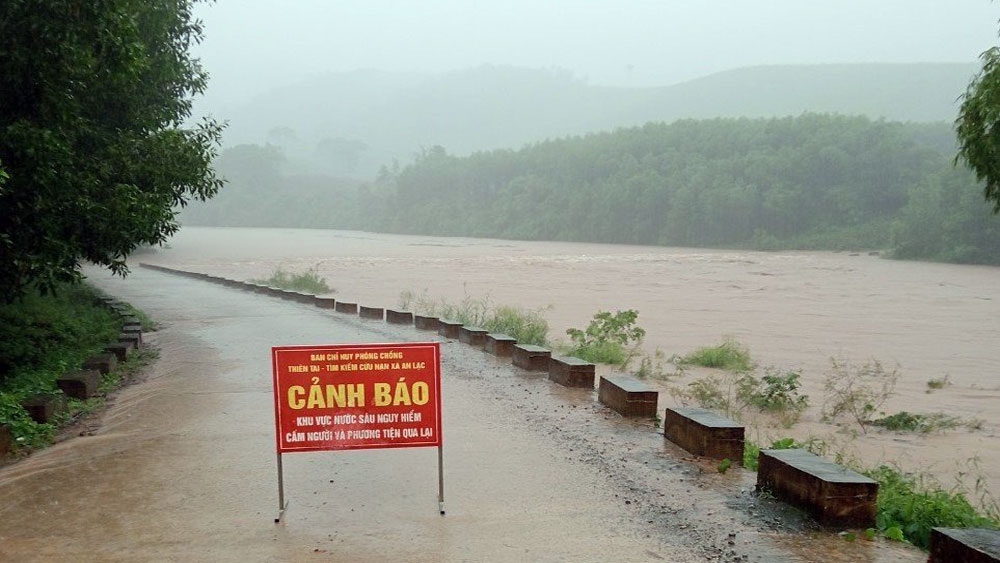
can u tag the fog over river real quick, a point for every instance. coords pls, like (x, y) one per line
(793, 310)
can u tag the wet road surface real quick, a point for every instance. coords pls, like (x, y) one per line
(182, 466)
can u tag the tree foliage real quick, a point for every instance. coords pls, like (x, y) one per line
(808, 182)
(93, 99)
(978, 126)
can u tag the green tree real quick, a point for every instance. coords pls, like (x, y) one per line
(978, 126)
(93, 100)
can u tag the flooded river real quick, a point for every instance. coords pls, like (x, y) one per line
(181, 466)
(793, 310)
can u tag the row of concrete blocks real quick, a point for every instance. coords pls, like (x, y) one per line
(834, 495)
(85, 382)
(621, 393)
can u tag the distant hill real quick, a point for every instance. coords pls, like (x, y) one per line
(352, 123)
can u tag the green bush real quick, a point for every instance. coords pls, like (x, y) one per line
(774, 393)
(41, 337)
(734, 392)
(608, 339)
(48, 333)
(908, 509)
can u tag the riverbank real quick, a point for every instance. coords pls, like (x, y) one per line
(793, 311)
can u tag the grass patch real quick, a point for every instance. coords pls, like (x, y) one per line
(42, 337)
(307, 282)
(526, 326)
(730, 356)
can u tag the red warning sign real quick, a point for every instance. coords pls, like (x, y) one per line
(357, 396)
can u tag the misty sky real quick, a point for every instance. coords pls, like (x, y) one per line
(251, 44)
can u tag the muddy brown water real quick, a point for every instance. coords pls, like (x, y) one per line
(794, 310)
(181, 466)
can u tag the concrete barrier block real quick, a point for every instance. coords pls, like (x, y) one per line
(627, 396)
(449, 329)
(133, 338)
(572, 372)
(832, 494)
(121, 350)
(80, 384)
(704, 433)
(472, 335)
(132, 334)
(964, 545)
(500, 345)
(374, 313)
(531, 358)
(325, 302)
(304, 298)
(422, 322)
(44, 408)
(6, 440)
(398, 317)
(103, 363)
(346, 308)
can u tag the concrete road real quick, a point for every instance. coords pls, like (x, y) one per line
(182, 465)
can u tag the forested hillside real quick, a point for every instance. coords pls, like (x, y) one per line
(808, 182)
(349, 124)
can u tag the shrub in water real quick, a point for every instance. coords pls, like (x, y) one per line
(609, 339)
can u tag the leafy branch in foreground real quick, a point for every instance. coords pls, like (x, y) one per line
(95, 158)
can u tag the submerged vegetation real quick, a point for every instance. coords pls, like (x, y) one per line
(857, 392)
(309, 281)
(730, 356)
(526, 326)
